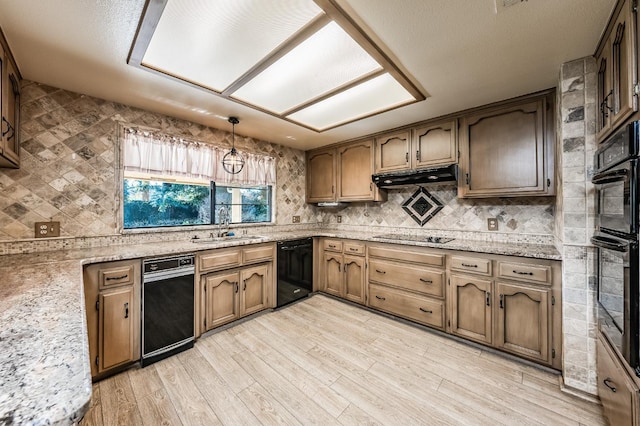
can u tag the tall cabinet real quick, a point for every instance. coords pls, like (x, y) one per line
(9, 107)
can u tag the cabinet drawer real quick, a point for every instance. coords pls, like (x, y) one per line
(474, 265)
(416, 308)
(419, 279)
(618, 403)
(431, 259)
(257, 254)
(333, 245)
(219, 259)
(524, 272)
(357, 249)
(111, 277)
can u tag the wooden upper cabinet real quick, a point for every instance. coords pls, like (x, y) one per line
(321, 176)
(392, 152)
(617, 70)
(355, 167)
(10, 108)
(435, 145)
(508, 151)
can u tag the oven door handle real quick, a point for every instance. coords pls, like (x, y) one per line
(609, 243)
(618, 175)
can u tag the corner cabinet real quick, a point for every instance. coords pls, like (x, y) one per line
(112, 304)
(616, 67)
(507, 151)
(10, 107)
(342, 174)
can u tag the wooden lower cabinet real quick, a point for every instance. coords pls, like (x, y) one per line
(617, 390)
(112, 304)
(354, 279)
(230, 295)
(344, 275)
(522, 325)
(471, 310)
(407, 305)
(333, 274)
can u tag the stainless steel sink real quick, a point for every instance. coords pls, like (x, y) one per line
(227, 238)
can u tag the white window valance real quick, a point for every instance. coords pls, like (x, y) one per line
(156, 154)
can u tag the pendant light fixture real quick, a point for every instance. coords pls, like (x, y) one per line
(232, 162)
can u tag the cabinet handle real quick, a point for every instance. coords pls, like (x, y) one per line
(353, 249)
(502, 301)
(605, 109)
(244, 287)
(332, 246)
(345, 268)
(236, 283)
(9, 127)
(468, 265)
(522, 273)
(121, 277)
(467, 178)
(427, 311)
(488, 295)
(406, 157)
(370, 186)
(380, 272)
(380, 298)
(418, 155)
(607, 382)
(426, 281)
(126, 310)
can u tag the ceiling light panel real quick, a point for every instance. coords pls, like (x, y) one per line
(213, 42)
(371, 97)
(328, 59)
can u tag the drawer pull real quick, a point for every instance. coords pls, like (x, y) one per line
(121, 277)
(522, 273)
(468, 265)
(380, 272)
(380, 298)
(353, 249)
(332, 246)
(607, 382)
(426, 281)
(426, 310)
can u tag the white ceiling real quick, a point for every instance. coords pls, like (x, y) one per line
(461, 52)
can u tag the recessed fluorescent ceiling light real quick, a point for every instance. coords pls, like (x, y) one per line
(303, 61)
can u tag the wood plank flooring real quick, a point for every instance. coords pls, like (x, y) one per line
(322, 361)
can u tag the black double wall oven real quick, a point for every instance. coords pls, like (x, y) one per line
(616, 240)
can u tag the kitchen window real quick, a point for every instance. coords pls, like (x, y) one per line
(170, 182)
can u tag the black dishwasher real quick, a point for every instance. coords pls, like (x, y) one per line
(295, 270)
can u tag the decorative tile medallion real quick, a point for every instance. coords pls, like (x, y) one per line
(422, 206)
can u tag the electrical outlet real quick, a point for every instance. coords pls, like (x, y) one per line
(492, 224)
(339, 219)
(47, 229)
(296, 219)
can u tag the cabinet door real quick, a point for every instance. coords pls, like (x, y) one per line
(471, 308)
(604, 93)
(435, 145)
(392, 152)
(523, 321)
(354, 275)
(255, 289)
(333, 274)
(623, 65)
(116, 332)
(502, 152)
(11, 113)
(355, 167)
(221, 303)
(615, 389)
(321, 173)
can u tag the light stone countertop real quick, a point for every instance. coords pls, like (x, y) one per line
(45, 373)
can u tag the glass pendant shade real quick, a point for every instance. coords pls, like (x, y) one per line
(232, 162)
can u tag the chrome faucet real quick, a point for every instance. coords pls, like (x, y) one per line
(223, 219)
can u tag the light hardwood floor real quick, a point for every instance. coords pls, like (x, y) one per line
(325, 362)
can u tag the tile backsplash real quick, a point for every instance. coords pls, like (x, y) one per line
(70, 169)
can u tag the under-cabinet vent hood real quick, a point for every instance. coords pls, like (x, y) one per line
(417, 177)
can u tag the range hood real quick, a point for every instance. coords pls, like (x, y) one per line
(417, 177)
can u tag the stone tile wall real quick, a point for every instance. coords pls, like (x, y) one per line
(576, 199)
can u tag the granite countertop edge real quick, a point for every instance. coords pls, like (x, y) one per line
(42, 307)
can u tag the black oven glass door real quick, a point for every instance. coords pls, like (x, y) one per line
(618, 292)
(616, 192)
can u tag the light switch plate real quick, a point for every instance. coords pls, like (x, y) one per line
(492, 224)
(47, 229)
